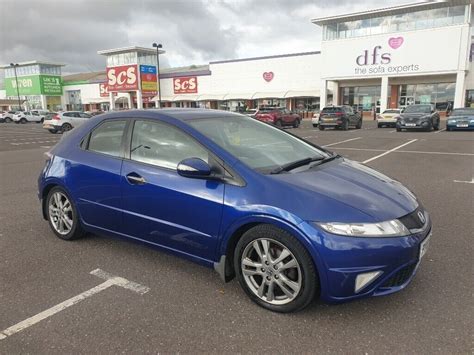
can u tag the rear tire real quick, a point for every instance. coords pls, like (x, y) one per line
(269, 284)
(359, 124)
(296, 124)
(8, 120)
(279, 123)
(345, 125)
(66, 127)
(436, 127)
(315, 125)
(399, 129)
(62, 215)
(23, 121)
(379, 125)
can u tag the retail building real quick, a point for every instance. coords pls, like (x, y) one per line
(371, 60)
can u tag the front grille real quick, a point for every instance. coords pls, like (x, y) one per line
(400, 277)
(413, 220)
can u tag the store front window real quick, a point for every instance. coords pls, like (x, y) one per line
(470, 98)
(441, 95)
(417, 20)
(307, 104)
(361, 98)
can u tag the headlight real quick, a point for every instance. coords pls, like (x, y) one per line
(451, 121)
(393, 228)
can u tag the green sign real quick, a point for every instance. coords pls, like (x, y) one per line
(366, 103)
(425, 99)
(34, 85)
(51, 85)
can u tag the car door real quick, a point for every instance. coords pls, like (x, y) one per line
(94, 175)
(162, 207)
(33, 116)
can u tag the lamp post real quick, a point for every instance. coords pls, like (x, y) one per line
(14, 65)
(158, 46)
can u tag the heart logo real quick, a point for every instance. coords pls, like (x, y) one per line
(268, 76)
(395, 42)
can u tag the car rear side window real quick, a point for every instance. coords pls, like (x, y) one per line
(107, 138)
(163, 145)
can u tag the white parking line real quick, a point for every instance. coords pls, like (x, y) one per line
(110, 280)
(347, 140)
(404, 151)
(441, 130)
(389, 151)
(465, 182)
(392, 131)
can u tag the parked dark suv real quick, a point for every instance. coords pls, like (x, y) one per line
(339, 117)
(278, 116)
(418, 116)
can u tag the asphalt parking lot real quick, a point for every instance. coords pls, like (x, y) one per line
(186, 308)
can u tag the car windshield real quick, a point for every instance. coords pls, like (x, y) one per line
(418, 109)
(391, 111)
(258, 145)
(331, 109)
(463, 112)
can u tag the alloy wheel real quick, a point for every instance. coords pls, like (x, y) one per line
(271, 271)
(61, 213)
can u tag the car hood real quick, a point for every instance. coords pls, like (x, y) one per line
(461, 118)
(346, 191)
(414, 115)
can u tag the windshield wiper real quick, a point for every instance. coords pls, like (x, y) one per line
(296, 164)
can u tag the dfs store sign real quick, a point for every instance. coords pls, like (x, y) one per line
(378, 60)
(393, 55)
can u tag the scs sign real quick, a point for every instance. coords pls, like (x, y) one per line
(122, 78)
(185, 85)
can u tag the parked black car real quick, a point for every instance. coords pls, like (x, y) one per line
(339, 117)
(418, 116)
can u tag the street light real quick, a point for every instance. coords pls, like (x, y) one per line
(14, 65)
(158, 47)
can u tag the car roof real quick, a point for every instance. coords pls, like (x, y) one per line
(181, 114)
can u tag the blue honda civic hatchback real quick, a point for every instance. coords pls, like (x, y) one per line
(290, 220)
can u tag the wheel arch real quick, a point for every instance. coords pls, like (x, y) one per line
(48, 186)
(225, 265)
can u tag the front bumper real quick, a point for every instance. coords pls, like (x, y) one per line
(414, 125)
(342, 259)
(460, 126)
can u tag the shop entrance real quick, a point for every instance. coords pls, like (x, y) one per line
(406, 101)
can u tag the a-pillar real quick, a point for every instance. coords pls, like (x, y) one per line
(139, 100)
(112, 101)
(44, 102)
(324, 94)
(383, 94)
(459, 94)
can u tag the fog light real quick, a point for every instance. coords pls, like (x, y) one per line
(363, 280)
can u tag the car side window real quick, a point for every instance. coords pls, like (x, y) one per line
(84, 115)
(68, 114)
(163, 145)
(107, 138)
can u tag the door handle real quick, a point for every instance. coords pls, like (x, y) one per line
(135, 179)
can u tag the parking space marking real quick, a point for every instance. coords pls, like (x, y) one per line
(347, 140)
(404, 151)
(389, 151)
(35, 142)
(465, 182)
(110, 280)
(441, 130)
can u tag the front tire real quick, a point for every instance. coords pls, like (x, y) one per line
(321, 128)
(296, 124)
(62, 215)
(275, 270)
(8, 120)
(359, 124)
(345, 125)
(23, 121)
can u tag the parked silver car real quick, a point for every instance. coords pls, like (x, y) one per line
(64, 121)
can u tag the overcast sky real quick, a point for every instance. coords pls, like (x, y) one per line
(192, 31)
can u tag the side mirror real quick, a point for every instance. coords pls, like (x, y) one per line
(194, 168)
